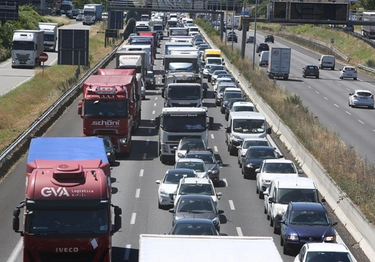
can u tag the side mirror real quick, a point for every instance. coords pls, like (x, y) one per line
(171, 210)
(157, 182)
(269, 130)
(157, 122)
(257, 170)
(227, 129)
(270, 200)
(80, 103)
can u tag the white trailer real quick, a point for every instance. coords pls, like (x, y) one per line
(27, 45)
(368, 30)
(206, 248)
(50, 35)
(236, 21)
(279, 62)
(132, 60)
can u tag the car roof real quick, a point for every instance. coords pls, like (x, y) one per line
(195, 180)
(243, 103)
(233, 89)
(325, 247)
(190, 160)
(279, 160)
(294, 182)
(307, 206)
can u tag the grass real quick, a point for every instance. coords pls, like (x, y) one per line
(354, 175)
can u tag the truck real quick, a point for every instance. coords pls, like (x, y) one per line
(183, 94)
(236, 21)
(149, 62)
(134, 94)
(27, 45)
(279, 62)
(67, 207)
(132, 60)
(174, 123)
(207, 248)
(50, 35)
(368, 30)
(106, 109)
(92, 13)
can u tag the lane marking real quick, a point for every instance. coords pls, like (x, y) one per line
(215, 148)
(348, 112)
(335, 105)
(239, 231)
(212, 136)
(16, 251)
(137, 192)
(132, 219)
(361, 122)
(225, 181)
(231, 205)
(317, 92)
(141, 172)
(153, 112)
(127, 251)
(326, 98)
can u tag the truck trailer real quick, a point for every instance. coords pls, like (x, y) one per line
(106, 109)
(67, 206)
(368, 30)
(50, 35)
(206, 248)
(27, 45)
(279, 62)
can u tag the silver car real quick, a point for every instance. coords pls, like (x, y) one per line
(348, 72)
(361, 98)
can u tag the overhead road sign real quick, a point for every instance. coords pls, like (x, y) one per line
(8, 10)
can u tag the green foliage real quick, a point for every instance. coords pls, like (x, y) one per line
(132, 14)
(370, 63)
(367, 4)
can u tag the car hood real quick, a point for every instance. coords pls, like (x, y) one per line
(210, 166)
(196, 215)
(202, 174)
(169, 188)
(256, 161)
(271, 176)
(315, 231)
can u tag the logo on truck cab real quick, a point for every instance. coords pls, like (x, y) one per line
(106, 123)
(57, 192)
(67, 249)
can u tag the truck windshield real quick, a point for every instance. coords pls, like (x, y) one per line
(181, 66)
(249, 126)
(48, 37)
(23, 45)
(106, 108)
(67, 221)
(179, 31)
(183, 122)
(184, 92)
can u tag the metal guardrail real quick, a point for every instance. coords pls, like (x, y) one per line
(13, 147)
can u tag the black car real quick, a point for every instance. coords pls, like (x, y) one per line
(196, 206)
(230, 103)
(150, 80)
(250, 39)
(254, 157)
(109, 150)
(269, 38)
(348, 28)
(194, 226)
(232, 36)
(305, 222)
(262, 47)
(310, 70)
(212, 164)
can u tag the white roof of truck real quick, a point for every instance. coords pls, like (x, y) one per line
(206, 248)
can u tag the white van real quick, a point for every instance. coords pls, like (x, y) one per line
(255, 123)
(281, 191)
(263, 58)
(327, 61)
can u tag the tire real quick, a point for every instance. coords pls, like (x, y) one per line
(271, 221)
(257, 190)
(260, 195)
(303, 76)
(317, 77)
(354, 78)
(332, 68)
(231, 150)
(281, 241)
(264, 210)
(341, 78)
(285, 250)
(275, 229)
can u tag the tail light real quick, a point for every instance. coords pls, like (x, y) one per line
(372, 96)
(355, 96)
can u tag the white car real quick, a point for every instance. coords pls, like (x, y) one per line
(248, 142)
(197, 186)
(272, 168)
(320, 252)
(215, 75)
(195, 164)
(168, 185)
(186, 144)
(361, 98)
(348, 72)
(223, 80)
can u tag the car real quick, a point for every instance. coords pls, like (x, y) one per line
(109, 150)
(361, 98)
(327, 61)
(320, 252)
(254, 157)
(348, 72)
(195, 164)
(228, 94)
(250, 39)
(348, 28)
(281, 191)
(197, 186)
(196, 206)
(213, 68)
(262, 47)
(230, 103)
(310, 70)
(212, 164)
(272, 168)
(305, 222)
(198, 42)
(232, 36)
(206, 70)
(150, 80)
(269, 38)
(227, 78)
(168, 185)
(263, 58)
(188, 143)
(215, 74)
(248, 142)
(79, 17)
(194, 226)
(220, 90)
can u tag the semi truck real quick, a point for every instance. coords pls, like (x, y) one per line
(27, 45)
(183, 94)
(134, 94)
(50, 35)
(368, 30)
(189, 248)
(174, 123)
(279, 62)
(67, 207)
(132, 60)
(92, 13)
(149, 62)
(106, 109)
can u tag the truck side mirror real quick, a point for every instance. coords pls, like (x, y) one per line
(16, 220)
(227, 129)
(118, 222)
(211, 122)
(157, 122)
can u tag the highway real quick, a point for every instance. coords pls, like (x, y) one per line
(133, 179)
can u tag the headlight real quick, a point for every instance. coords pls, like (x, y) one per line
(180, 155)
(280, 211)
(163, 192)
(293, 237)
(329, 239)
(108, 154)
(250, 165)
(214, 171)
(216, 221)
(122, 141)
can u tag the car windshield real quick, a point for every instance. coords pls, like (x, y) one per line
(249, 143)
(303, 217)
(285, 195)
(364, 94)
(195, 206)
(286, 168)
(261, 153)
(208, 159)
(243, 108)
(331, 256)
(174, 178)
(194, 229)
(197, 166)
(199, 189)
(186, 145)
(248, 126)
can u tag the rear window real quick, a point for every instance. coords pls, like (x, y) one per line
(312, 67)
(364, 94)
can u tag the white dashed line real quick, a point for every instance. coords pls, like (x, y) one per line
(132, 219)
(348, 112)
(317, 92)
(239, 231)
(141, 172)
(361, 122)
(231, 205)
(325, 98)
(153, 112)
(215, 148)
(156, 98)
(225, 181)
(137, 192)
(335, 105)
(212, 136)
(309, 87)
(154, 104)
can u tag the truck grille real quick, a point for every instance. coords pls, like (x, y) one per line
(178, 138)
(64, 257)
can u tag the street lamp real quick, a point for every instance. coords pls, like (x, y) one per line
(255, 31)
(234, 13)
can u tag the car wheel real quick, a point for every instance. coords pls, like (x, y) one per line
(265, 210)
(281, 241)
(260, 195)
(285, 250)
(268, 216)
(370, 107)
(159, 206)
(271, 221)
(332, 68)
(341, 77)
(354, 78)
(275, 229)
(303, 76)
(257, 189)
(317, 76)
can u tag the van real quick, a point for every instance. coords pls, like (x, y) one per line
(211, 53)
(234, 136)
(263, 58)
(327, 61)
(283, 190)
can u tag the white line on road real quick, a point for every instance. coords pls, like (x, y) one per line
(16, 251)
(141, 172)
(154, 104)
(325, 98)
(137, 192)
(132, 219)
(361, 122)
(317, 92)
(215, 148)
(335, 105)
(225, 181)
(231, 205)
(153, 112)
(348, 113)
(239, 231)
(212, 136)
